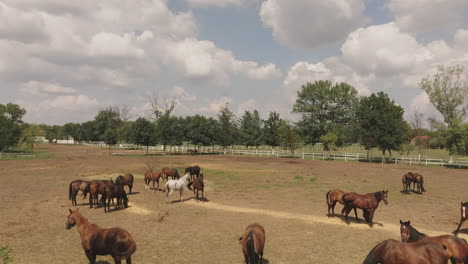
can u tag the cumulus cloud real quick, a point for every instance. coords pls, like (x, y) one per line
(218, 3)
(40, 88)
(310, 24)
(421, 15)
(212, 107)
(69, 102)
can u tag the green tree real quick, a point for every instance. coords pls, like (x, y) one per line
(324, 107)
(11, 125)
(329, 141)
(212, 131)
(250, 129)
(89, 131)
(381, 123)
(142, 133)
(457, 139)
(289, 137)
(448, 92)
(27, 140)
(271, 128)
(106, 122)
(227, 126)
(197, 130)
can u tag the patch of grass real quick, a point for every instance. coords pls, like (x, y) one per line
(314, 179)
(5, 255)
(263, 187)
(297, 177)
(364, 181)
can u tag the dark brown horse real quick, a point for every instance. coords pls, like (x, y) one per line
(192, 151)
(198, 186)
(194, 170)
(114, 191)
(253, 242)
(95, 240)
(457, 248)
(334, 196)
(395, 252)
(367, 202)
(407, 179)
(152, 176)
(464, 215)
(170, 172)
(74, 188)
(418, 180)
(127, 179)
(94, 188)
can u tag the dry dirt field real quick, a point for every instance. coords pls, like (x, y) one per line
(286, 196)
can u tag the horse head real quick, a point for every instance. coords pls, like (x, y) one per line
(71, 219)
(405, 231)
(385, 196)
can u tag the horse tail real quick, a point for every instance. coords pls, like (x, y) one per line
(327, 196)
(346, 200)
(70, 191)
(124, 246)
(422, 184)
(189, 186)
(251, 248)
(372, 257)
(86, 189)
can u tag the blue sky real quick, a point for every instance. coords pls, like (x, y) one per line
(63, 61)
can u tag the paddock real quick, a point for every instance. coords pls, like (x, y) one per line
(286, 196)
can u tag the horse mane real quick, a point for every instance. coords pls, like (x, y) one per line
(415, 234)
(250, 243)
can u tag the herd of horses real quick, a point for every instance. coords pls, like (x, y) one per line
(414, 247)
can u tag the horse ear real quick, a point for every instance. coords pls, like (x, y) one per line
(70, 210)
(401, 222)
(409, 222)
(77, 209)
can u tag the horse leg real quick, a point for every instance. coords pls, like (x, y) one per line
(91, 200)
(197, 195)
(130, 186)
(203, 195)
(355, 213)
(129, 260)
(181, 192)
(462, 220)
(169, 194)
(91, 257)
(371, 216)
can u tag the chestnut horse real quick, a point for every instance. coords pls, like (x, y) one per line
(457, 248)
(170, 172)
(418, 180)
(95, 240)
(74, 188)
(152, 176)
(198, 185)
(395, 252)
(114, 191)
(95, 188)
(367, 202)
(464, 215)
(407, 179)
(334, 196)
(125, 180)
(253, 242)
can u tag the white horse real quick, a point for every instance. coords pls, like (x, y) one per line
(173, 185)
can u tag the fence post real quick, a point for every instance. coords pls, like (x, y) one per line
(396, 160)
(313, 156)
(345, 157)
(302, 154)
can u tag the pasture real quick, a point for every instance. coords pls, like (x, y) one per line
(286, 196)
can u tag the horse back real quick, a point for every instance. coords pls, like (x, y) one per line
(114, 241)
(336, 195)
(456, 247)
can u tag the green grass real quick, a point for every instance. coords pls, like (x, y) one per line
(5, 255)
(297, 177)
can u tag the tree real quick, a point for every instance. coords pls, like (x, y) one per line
(142, 133)
(457, 140)
(289, 137)
(197, 128)
(324, 107)
(448, 92)
(329, 141)
(418, 133)
(106, 122)
(271, 128)
(11, 125)
(227, 126)
(250, 129)
(28, 136)
(381, 123)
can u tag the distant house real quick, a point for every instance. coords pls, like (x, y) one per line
(421, 139)
(65, 141)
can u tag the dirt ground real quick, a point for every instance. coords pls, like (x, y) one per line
(286, 196)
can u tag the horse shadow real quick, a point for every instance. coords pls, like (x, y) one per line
(179, 201)
(462, 230)
(265, 261)
(361, 221)
(201, 199)
(117, 209)
(102, 262)
(133, 193)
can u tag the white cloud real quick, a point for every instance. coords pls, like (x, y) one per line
(39, 88)
(212, 108)
(69, 102)
(182, 95)
(420, 15)
(218, 3)
(121, 45)
(310, 24)
(249, 105)
(21, 26)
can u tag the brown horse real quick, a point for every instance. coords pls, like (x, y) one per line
(367, 202)
(153, 176)
(334, 196)
(457, 248)
(95, 240)
(253, 242)
(418, 180)
(127, 179)
(170, 172)
(198, 185)
(114, 191)
(74, 188)
(395, 252)
(464, 215)
(94, 188)
(192, 151)
(194, 170)
(407, 179)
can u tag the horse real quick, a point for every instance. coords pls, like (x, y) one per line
(74, 187)
(114, 191)
(95, 240)
(407, 179)
(418, 180)
(152, 176)
(395, 252)
(176, 185)
(253, 242)
(94, 188)
(192, 151)
(170, 172)
(464, 215)
(125, 180)
(195, 170)
(367, 202)
(457, 248)
(333, 196)
(198, 186)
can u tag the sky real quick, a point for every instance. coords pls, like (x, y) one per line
(63, 61)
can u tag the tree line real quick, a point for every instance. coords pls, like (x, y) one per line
(330, 113)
